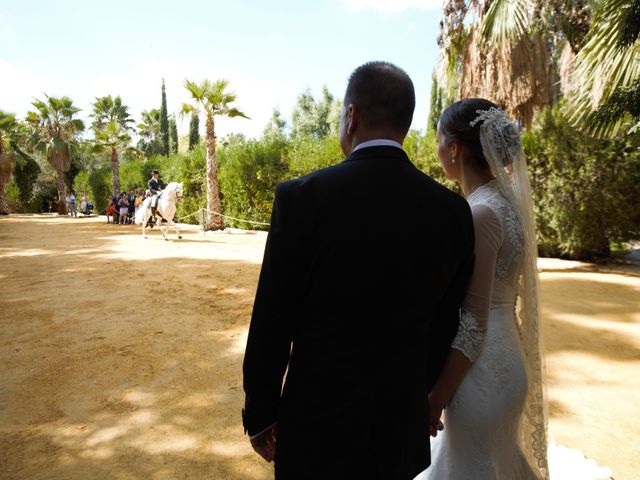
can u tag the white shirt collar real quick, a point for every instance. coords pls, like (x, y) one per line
(378, 142)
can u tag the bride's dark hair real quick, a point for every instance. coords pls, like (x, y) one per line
(455, 125)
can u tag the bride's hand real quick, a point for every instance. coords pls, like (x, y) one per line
(436, 406)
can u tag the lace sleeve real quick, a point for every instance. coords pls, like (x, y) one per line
(475, 309)
(470, 336)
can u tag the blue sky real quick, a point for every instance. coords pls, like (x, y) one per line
(270, 51)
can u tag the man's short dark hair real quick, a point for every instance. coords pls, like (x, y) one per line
(384, 96)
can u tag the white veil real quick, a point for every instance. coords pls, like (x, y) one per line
(501, 147)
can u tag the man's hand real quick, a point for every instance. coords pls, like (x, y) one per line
(265, 443)
(435, 412)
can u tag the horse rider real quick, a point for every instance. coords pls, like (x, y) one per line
(155, 186)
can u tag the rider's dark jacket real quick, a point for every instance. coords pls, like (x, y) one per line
(155, 186)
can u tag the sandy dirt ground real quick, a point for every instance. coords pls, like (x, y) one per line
(120, 358)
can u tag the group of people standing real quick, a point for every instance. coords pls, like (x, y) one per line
(123, 206)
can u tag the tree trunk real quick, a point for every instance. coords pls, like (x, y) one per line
(62, 204)
(115, 171)
(213, 222)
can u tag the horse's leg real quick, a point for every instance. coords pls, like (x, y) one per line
(145, 219)
(175, 227)
(166, 229)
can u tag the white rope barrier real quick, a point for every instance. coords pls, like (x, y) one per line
(252, 222)
(233, 218)
(191, 214)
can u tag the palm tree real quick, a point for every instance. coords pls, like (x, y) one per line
(213, 99)
(508, 50)
(55, 133)
(608, 69)
(112, 139)
(111, 121)
(107, 109)
(489, 50)
(149, 132)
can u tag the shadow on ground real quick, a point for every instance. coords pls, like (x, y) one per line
(118, 364)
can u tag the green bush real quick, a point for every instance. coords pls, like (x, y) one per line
(422, 149)
(191, 171)
(248, 173)
(585, 190)
(306, 154)
(132, 175)
(12, 195)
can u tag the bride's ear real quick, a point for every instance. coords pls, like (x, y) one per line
(455, 150)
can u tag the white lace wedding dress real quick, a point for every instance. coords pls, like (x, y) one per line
(485, 435)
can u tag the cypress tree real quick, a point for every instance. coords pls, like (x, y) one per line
(173, 130)
(194, 133)
(164, 123)
(436, 105)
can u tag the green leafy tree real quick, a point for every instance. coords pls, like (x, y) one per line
(585, 190)
(25, 174)
(111, 127)
(173, 131)
(164, 122)
(13, 139)
(55, 134)
(213, 99)
(315, 118)
(436, 105)
(8, 128)
(194, 131)
(275, 129)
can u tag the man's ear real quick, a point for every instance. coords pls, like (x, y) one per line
(353, 119)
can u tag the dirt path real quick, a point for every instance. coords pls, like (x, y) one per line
(121, 358)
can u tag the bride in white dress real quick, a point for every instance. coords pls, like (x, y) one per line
(495, 421)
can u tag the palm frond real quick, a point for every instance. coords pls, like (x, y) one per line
(507, 20)
(187, 109)
(196, 91)
(234, 112)
(602, 66)
(213, 97)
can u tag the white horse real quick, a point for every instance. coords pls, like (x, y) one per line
(166, 209)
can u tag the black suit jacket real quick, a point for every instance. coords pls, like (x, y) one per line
(155, 186)
(364, 272)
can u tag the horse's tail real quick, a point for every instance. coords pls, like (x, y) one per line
(141, 210)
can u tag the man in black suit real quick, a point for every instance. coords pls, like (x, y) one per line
(364, 272)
